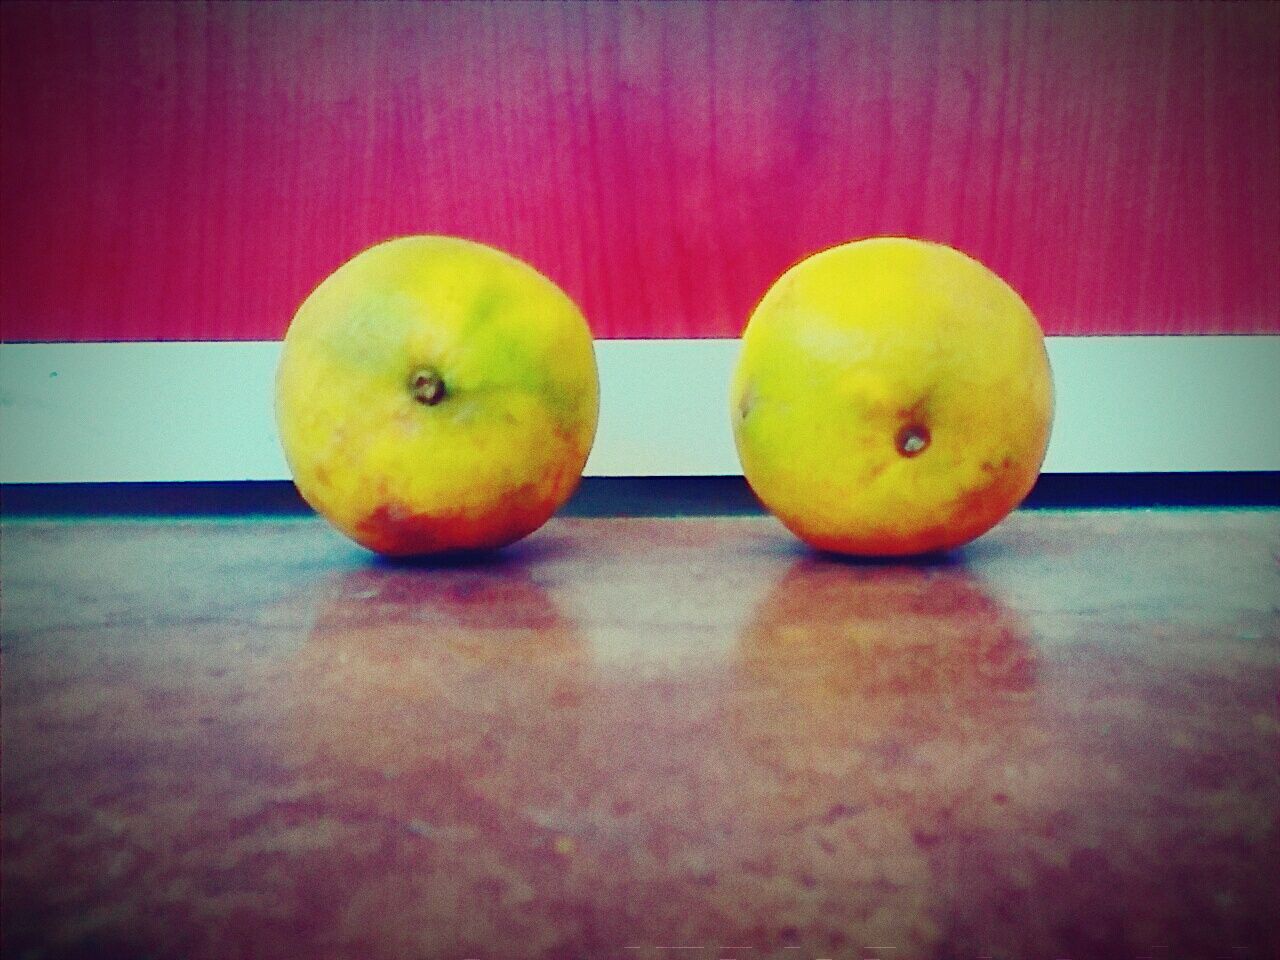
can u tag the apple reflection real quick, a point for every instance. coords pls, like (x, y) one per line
(406, 667)
(876, 708)
(801, 784)
(885, 660)
(432, 708)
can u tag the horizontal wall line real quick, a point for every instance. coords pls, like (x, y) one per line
(618, 496)
(163, 412)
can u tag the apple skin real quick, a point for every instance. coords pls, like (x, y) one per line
(892, 397)
(435, 395)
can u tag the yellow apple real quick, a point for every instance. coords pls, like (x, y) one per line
(435, 394)
(892, 397)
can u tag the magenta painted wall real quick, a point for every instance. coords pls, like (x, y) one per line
(191, 172)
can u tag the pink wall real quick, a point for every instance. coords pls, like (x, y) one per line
(190, 172)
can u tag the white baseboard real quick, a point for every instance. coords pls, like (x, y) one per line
(90, 412)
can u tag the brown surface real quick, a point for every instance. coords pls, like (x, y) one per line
(248, 739)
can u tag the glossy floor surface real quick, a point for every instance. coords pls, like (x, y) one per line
(642, 738)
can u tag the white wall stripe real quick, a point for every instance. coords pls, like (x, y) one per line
(202, 411)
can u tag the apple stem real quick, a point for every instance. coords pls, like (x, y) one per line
(427, 387)
(912, 439)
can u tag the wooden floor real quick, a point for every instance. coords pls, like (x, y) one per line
(642, 738)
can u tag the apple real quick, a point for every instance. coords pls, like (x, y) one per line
(435, 394)
(893, 396)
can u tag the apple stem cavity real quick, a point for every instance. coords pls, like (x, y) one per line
(912, 439)
(427, 387)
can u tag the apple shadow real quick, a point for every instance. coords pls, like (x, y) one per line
(531, 549)
(956, 557)
(970, 554)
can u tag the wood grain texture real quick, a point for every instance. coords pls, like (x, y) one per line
(191, 171)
